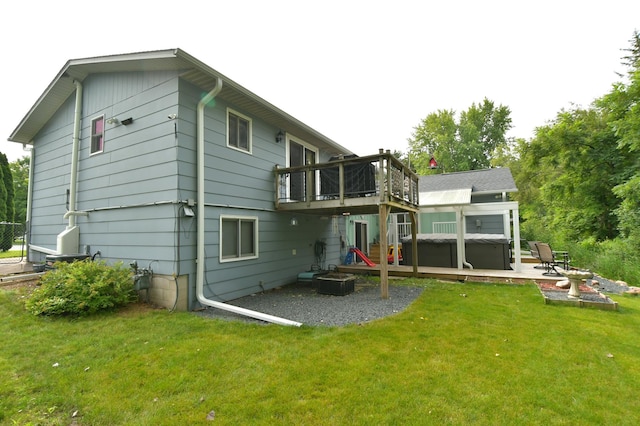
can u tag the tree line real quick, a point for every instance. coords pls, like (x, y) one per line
(578, 178)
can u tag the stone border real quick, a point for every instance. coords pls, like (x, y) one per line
(560, 297)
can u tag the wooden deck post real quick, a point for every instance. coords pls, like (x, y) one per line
(384, 245)
(414, 242)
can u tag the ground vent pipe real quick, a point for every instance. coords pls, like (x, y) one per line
(200, 259)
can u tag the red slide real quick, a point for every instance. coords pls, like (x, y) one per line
(364, 258)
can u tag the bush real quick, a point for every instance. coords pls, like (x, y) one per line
(82, 288)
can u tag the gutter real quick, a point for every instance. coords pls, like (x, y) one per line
(200, 256)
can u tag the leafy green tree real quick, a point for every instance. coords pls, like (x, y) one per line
(623, 106)
(6, 204)
(468, 144)
(20, 173)
(579, 163)
(436, 132)
(579, 178)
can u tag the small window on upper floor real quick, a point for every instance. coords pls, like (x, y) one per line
(97, 135)
(238, 131)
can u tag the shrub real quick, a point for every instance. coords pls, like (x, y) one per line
(82, 288)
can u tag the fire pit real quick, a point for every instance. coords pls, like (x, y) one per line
(336, 284)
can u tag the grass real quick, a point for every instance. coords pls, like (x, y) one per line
(10, 253)
(497, 355)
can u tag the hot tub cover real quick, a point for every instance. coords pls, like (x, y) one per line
(453, 238)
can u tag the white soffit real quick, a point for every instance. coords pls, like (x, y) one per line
(451, 197)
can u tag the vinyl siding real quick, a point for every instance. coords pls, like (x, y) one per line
(137, 167)
(134, 189)
(242, 184)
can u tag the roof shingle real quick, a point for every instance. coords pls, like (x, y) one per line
(496, 180)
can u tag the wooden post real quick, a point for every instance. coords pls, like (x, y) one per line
(309, 184)
(341, 182)
(414, 242)
(384, 245)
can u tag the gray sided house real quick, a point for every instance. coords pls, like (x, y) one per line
(157, 158)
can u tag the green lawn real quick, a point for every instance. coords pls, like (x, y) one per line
(497, 356)
(10, 253)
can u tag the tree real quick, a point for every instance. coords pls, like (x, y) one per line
(575, 162)
(468, 144)
(20, 173)
(579, 177)
(6, 204)
(435, 132)
(623, 106)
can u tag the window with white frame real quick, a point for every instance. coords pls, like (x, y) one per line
(97, 135)
(238, 238)
(238, 131)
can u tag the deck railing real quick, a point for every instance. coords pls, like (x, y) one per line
(371, 180)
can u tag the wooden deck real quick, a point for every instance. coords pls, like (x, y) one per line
(354, 185)
(528, 274)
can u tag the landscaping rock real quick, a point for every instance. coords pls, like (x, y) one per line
(634, 291)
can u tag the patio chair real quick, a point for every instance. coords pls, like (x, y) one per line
(534, 253)
(548, 259)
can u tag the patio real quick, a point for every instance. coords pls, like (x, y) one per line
(529, 273)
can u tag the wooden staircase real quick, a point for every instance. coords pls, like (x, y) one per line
(374, 252)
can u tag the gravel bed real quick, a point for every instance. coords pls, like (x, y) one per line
(607, 286)
(589, 297)
(301, 303)
(598, 288)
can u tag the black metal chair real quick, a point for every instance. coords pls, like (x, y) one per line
(534, 253)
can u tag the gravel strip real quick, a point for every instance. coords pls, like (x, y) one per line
(301, 303)
(590, 297)
(607, 286)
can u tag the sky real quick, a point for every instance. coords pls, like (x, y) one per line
(362, 72)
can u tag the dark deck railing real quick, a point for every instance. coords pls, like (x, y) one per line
(357, 184)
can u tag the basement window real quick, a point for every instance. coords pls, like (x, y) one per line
(238, 238)
(238, 131)
(97, 135)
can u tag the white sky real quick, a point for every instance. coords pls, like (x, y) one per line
(362, 72)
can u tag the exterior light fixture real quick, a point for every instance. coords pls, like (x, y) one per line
(279, 137)
(294, 221)
(112, 120)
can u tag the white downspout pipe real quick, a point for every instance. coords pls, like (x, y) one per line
(30, 202)
(460, 246)
(200, 259)
(68, 240)
(74, 156)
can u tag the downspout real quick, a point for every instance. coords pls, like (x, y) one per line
(460, 246)
(200, 259)
(68, 240)
(74, 157)
(29, 201)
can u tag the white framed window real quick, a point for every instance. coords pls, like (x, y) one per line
(97, 135)
(238, 238)
(239, 131)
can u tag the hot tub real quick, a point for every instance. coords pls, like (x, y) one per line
(483, 251)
